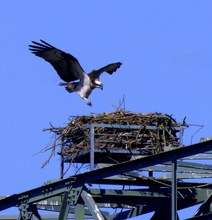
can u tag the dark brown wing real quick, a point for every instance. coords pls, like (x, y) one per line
(67, 66)
(110, 68)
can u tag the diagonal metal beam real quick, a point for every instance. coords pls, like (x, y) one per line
(92, 206)
(205, 207)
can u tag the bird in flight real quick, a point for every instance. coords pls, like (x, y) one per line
(70, 71)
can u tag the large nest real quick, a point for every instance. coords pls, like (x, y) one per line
(123, 130)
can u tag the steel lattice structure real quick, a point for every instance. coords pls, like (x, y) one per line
(125, 190)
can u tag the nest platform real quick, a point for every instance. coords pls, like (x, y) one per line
(116, 136)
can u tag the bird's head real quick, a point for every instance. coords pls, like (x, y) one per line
(98, 84)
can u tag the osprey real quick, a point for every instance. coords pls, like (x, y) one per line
(70, 70)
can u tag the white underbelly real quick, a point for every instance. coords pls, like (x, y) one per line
(85, 88)
(84, 91)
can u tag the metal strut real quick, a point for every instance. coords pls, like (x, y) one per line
(92, 206)
(174, 190)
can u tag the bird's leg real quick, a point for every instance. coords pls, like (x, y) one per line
(88, 102)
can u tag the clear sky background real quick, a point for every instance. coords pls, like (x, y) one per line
(166, 50)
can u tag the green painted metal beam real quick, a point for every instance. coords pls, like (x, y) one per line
(92, 206)
(66, 203)
(79, 212)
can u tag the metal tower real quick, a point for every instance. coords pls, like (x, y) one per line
(137, 184)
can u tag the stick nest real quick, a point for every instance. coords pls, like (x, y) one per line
(75, 138)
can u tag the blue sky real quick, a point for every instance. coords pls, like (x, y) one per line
(165, 47)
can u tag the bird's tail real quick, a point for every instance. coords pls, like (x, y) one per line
(62, 84)
(70, 87)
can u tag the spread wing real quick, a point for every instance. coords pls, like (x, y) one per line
(67, 66)
(110, 68)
